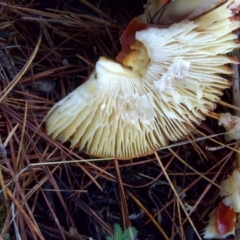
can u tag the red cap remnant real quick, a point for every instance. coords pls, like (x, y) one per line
(225, 219)
(128, 37)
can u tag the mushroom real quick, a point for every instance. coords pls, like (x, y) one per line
(221, 223)
(166, 82)
(230, 190)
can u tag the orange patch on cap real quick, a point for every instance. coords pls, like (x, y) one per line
(224, 219)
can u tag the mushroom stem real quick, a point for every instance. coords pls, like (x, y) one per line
(229, 105)
(214, 115)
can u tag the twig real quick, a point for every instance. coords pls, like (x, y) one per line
(236, 102)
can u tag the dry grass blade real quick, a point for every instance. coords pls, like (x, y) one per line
(198, 173)
(176, 194)
(231, 106)
(125, 214)
(50, 191)
(219, 143)
(32, 226)
(149, 215)
(15, 81)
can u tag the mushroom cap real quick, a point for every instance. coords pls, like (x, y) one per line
(166, 84)
(178, 10)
